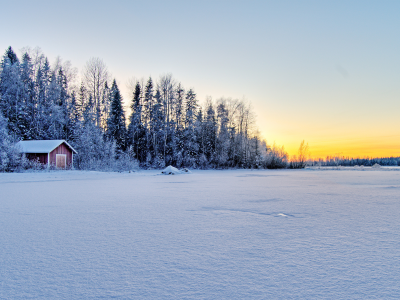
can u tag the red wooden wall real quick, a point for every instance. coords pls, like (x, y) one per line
(62, 149)
(41, 157)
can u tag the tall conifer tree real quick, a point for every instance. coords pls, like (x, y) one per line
(136, 135)
(116, 122)
(11, 90)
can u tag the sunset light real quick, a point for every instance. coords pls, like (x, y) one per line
(200, 149)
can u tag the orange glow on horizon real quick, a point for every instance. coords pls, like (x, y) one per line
(352, 145)
(357, 148)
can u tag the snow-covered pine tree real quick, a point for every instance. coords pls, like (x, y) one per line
(81, 101)
(157, 126)
(28, 97)
(200, 139)
(88, 112)
(136, 136)
(12, 104)
(179, 125)
(210, 133)
(44, 105)
(64, 104)
(74, 122)
(222, 144)
(55, 117)
(179, 109)
(191, 147)
(148, 100)
(116, 127)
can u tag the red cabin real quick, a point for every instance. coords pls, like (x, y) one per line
(56, 153)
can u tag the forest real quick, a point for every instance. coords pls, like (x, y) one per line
(166, 124)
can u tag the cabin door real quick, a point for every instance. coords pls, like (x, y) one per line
(61, 161)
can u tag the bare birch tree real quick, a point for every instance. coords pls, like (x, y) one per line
(303, 154)
(166, 85)
(95, 75)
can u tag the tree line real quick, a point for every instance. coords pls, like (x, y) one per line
(339, 160)
(166, 124)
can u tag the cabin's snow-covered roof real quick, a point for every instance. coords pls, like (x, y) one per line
(46, 146)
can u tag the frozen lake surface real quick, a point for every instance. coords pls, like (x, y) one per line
(284, 234)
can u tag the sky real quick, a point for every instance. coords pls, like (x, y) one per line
(326, 72)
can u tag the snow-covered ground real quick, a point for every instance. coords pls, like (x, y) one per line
(284, 234)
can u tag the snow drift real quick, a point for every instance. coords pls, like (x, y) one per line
(170, 170)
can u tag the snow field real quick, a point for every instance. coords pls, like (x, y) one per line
(284, 234)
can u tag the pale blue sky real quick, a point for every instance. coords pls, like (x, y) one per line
(326, 72)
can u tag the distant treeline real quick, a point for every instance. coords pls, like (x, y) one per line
(166, 124)
(351, 162)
